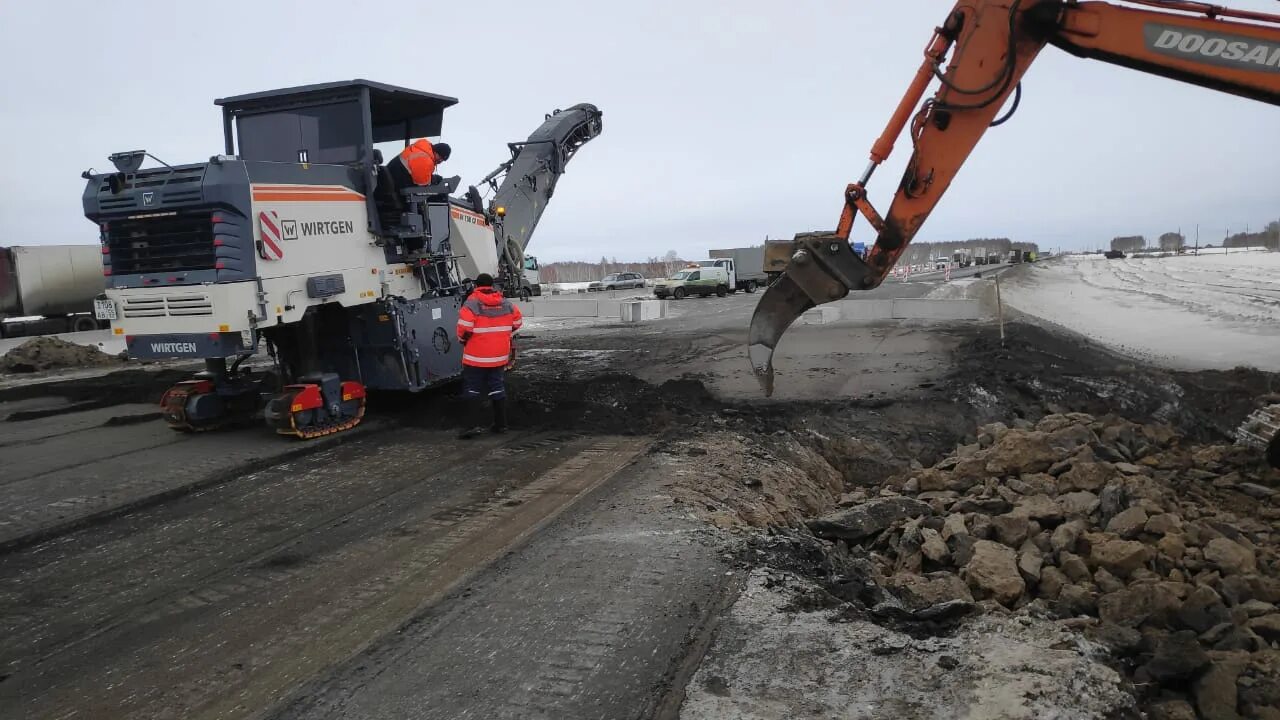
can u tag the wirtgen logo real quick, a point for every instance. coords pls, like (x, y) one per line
(173, 347)
(1221, 49)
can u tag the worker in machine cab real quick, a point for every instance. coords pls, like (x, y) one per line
(485, 326)
(416, 165)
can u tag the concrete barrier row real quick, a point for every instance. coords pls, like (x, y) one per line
(895, 309)
(624, 310)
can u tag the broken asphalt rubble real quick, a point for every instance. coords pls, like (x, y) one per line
(1165, 553)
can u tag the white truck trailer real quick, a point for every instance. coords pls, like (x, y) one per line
(47, 289)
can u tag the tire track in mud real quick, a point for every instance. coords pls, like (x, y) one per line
(262, 583)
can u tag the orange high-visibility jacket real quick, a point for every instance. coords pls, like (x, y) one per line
(485, 325)
(420, 159)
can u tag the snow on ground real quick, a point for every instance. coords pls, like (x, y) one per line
(770, 662)
(556, 323)
(1213, 311)
(960, 288)
(565, 286)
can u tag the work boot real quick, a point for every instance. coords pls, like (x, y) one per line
(499, 415)
(474, 421)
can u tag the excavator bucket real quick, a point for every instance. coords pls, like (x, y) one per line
(823, 268)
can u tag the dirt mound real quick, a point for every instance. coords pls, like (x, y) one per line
(49, 353)
(1037, 372)
(1160, 549)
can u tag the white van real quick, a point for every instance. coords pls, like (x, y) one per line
(701, 281)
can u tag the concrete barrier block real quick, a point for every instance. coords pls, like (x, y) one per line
(925, 309)
(821, 315)
(641, 310)
(564, 308)
(866, 309)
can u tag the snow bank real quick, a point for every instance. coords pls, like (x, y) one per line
(1213, 311)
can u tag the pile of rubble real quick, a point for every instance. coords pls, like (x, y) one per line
(1166, 554)
(50, 353)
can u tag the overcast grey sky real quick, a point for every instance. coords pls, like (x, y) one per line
(724, 122)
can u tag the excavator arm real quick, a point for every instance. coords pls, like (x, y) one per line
(979, 56)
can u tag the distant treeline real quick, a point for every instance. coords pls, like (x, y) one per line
(1268, 237)
(566, 272)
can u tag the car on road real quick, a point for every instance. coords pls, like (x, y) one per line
(701, 281)
(617, 281)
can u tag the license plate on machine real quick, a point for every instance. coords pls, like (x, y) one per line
(104, 309)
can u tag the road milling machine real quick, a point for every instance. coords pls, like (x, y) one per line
(979, 55)
(297, 240)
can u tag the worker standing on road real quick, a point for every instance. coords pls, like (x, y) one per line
(485, 326)
(416, 165)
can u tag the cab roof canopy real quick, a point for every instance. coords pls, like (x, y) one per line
(377, 111)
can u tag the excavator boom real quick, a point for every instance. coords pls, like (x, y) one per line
(978, 56)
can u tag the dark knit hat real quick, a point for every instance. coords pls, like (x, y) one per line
(442, 150)
(484, 280)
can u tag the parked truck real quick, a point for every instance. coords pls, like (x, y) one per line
(745, 267)
(532, 281)
(49, 288)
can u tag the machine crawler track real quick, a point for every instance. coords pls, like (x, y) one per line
(283, 417)
(228, 408)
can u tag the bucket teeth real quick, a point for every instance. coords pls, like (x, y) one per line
(823, 268)
(778, 308)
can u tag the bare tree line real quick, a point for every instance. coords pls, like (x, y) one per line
(572, 271)
(1268, 237)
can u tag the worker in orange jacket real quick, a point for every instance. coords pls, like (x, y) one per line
(416, 165)
(485, 326)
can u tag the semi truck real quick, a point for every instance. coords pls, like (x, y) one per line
(746, 269)
(47, 289)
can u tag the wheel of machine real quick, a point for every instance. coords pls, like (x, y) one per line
(678, 293)
(751, 286)
(179, 407)
(525, 293)
(722, 290)
(84, 323)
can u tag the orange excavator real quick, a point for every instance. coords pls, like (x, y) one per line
(991, 43)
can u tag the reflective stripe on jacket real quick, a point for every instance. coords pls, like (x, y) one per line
(420, 159)
(485, 325)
